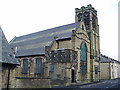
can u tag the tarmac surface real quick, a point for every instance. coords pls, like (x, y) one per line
(113, 84)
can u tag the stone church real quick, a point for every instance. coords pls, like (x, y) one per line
(60, 56)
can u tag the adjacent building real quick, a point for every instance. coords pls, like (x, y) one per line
(109, 68)
(8, 63)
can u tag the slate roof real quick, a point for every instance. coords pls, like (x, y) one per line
(5, 51)
(105, 59)
(34, 44)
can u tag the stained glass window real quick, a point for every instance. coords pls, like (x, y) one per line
(83, 58)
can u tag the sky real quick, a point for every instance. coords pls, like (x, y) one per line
(21, 17)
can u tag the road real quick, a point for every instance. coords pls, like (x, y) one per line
(103, 85)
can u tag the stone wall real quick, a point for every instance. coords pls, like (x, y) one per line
(115, 70)
(105, 70)
(80, 37)
(65, 44)
(31, 80)
(118, 70)
(8, 81)
(110, 70)
(61, 74)
(31, 67)
(32, 83)
(4, 77)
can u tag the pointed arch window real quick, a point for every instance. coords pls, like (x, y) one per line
(83, 58)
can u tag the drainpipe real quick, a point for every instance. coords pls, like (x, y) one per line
(91, 70)
(8, 80)
(109, 71)
(99, 71)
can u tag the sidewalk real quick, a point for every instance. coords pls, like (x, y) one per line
(74, 85)
(89, 83)
(97, 84)
(94, 82)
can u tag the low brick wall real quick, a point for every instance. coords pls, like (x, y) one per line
(32, 82)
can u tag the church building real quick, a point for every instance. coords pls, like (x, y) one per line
(60, 56)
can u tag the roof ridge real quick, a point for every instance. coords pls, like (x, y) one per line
(48, 29)
(109, 58)
(26, 43)
(12, 40)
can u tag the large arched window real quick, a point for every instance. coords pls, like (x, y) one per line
(83, 58)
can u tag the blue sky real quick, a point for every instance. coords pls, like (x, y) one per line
(20, 17)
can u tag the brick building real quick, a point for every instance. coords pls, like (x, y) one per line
(60, 55)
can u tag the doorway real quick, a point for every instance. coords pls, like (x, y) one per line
(73, 75)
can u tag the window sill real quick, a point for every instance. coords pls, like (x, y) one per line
(31, 78)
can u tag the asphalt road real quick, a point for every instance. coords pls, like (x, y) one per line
(103, 85)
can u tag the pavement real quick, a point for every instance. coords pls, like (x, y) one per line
(113, 84)
(104, 85)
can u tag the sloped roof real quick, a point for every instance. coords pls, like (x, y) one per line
(5, 51)
(34, 44)
(106, 59)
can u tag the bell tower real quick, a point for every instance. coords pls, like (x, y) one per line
(89, 16)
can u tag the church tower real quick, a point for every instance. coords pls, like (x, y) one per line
(89, 16)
